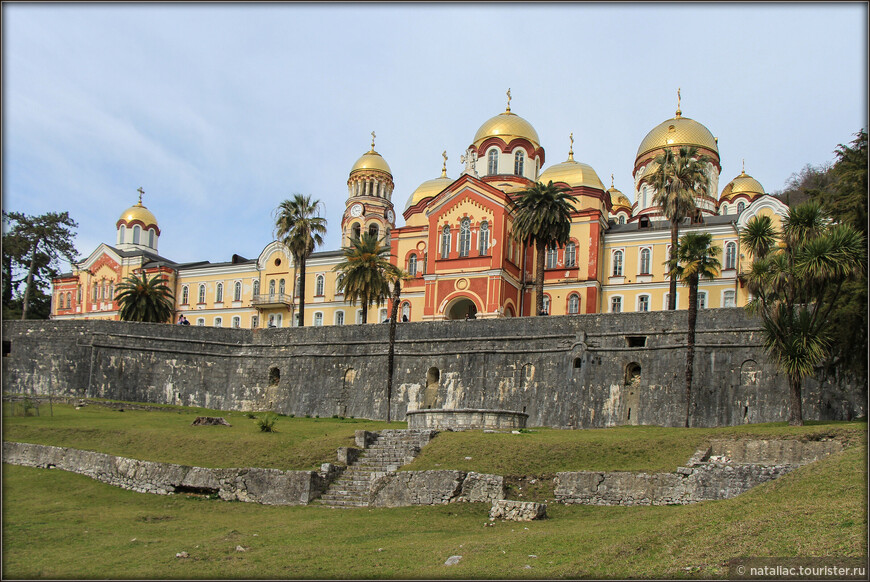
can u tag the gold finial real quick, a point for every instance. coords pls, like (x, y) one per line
(611, 181)
(679, 113)
(509, 100)
(140, 191)
(743, 172)
(571, 148)
(444, 167)
(373, 141)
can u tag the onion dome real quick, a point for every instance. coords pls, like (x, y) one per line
(679, 131)
(507, 126)
(139, 213)
(430, 188)
(742, 184)
(371, 160)
(572, 173)
(617, 198)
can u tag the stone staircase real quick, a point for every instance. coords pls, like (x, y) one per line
(390, 450)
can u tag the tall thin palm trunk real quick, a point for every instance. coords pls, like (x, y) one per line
(672, 283)
(301, 261)
(394, 312)
(690, 342)
(540, 251)
(795, 413)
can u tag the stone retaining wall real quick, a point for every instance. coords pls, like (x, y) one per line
(267, 486)
(404, 488)
(720, 471)
(465, 419)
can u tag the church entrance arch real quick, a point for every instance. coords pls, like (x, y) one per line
(461, 308)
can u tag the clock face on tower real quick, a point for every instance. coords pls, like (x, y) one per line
(356, 210)
(390, 216)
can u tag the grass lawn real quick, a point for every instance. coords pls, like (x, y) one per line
(62, 525)
(166, 435)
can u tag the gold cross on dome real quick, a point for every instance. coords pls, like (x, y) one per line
(140, 191)
(571, 147)
(373, 141)
(444, 167)
(509, 99)
(679, 113)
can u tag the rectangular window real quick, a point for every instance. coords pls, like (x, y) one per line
(255, 321)
(702, 300)
(728, 299)
(643, 303)
(616, 305)
(218, 322)
(570, 255)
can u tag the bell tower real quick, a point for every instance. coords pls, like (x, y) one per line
(369, 206)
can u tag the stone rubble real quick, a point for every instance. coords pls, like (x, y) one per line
(517, 510)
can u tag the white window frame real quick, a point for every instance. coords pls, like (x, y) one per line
(492, 162)
(702, 300)
(732, 264)
(185, 294)
(237, 291)
(551, 260)
(617, 267)
(338, 317)
(445, 241)
(570, 255)
(200, 322)
(725, 294)
(483, 237)
(640, 261)
(519, 162)
(319, 284)
(318, 319)
(219, 293)
(412, 264)
(573, 309)
(201, 293)
(237, 321)
(621, 302)
(639, 302)
(359, 317)
(218, 322)
(546, 304)
(464, 237)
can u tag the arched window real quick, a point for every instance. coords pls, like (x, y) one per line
(546, 305)
(492, 162)
(552, 257)
(519, 158)
(237, 291)
(218, 322)
(728, 298)
(69, 300)
(406, 311)
(272, 287)
(219, 293)
(484, 237)
(237, 322)
(79, 294)
(282, 287)
(255, 321)
(570, 254)
(339, 317)
(111, 296)
(318, 285)
(151, 238)
(382, 315)
(96, 291)
(445, 242)
(573, 304)
(464, 237)
(185, 291)
(645, 255)
(740, 206)
(297, 288)
(412, 265)
(136, 233)
(202, 293)
(643, 303)
(724, 209)
(256, 287)
(122, 234)
(615, 304)
(374, 230)
(200, 322)
(318, 319)
(730, 255)
(338, 288)
(617, 264)
(359, 315)
(354, 230)
(622, 219)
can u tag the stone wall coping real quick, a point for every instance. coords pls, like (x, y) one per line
(477, 410)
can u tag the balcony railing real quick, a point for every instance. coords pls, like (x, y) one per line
(273, 300)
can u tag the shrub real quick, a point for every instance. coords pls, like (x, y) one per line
(251, 415)
(267, 423)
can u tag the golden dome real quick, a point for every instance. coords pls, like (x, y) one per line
(138, 212)
(572, 173)
(507, 126)
(617, 198)
(678, 131)
(371, 160)
(428, 189)
(742, 184)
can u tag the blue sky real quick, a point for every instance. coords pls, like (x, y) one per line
(220, 111)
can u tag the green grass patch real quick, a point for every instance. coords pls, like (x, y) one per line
(62, 525)
(164, 434)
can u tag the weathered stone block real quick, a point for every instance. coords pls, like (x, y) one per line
(517, 510)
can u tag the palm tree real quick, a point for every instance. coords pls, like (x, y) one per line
(144, 299)
(542, 215)
(676, 180)
(301, 229)
(695, 260)
(363, 272)
(795, 284)
(758, 236)
(394, 275)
